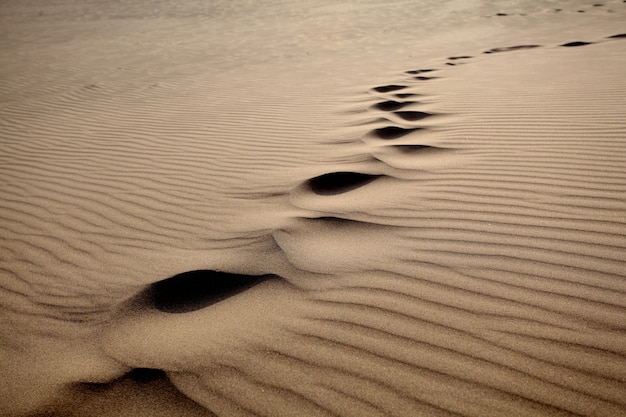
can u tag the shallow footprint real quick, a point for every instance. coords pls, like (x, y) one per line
(418, 157)
(420, 71)
(510, 48)
(406, 95)
(413, 149)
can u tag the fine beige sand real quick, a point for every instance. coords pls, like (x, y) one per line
(312, 208)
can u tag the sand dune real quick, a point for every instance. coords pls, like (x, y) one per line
(313, 208)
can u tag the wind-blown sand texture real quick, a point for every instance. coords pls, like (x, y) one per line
(313, 208)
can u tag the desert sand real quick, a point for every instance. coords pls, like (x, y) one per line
(312, 208)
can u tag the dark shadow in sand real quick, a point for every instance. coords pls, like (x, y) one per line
(406, 95)
(145, 375)
(194, 290)
(412, 116)
(393, 132)
(420, 71)
(392, 105)
(339, 182)
(411, 149)
(389, 88)
(510, 48)
(576, 43)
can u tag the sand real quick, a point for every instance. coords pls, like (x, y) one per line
(312, 208)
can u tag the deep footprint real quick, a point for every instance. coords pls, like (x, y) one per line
(576, 43)
(412, 116)
(389, 88)
(393, 132)
(194, 290)
(339, 182)
(392, 105)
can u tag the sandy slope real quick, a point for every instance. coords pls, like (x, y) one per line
(439, 188)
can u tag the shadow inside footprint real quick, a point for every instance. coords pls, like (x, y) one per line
(335, 183)
(423, 78)
(454, 58)
(388, 88)
(406, 95)
(619, 35)
(510, 48)
(146, 375)
(393, 132)
(576, 43)
(392, 105)
(420, 71)
(412, 116)
(410, 149)
(194, 290)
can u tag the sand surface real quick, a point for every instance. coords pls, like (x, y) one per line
(397, 208)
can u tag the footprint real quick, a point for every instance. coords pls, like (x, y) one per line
(393, 132)
(420, 71)
(510, 48)
(454, 58)
(339, 182)
(406, 95)
(391, 105)
(412, 116)
(576, 43)
(423, 78)
(412, 149)
(194, 290)
(389, 88)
